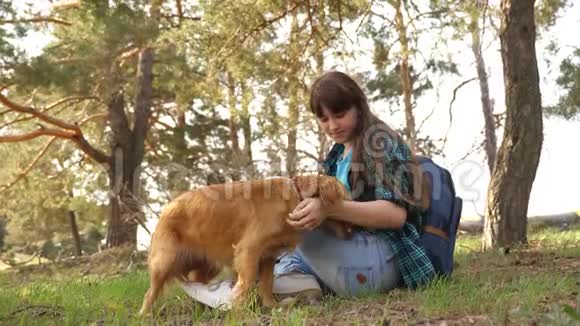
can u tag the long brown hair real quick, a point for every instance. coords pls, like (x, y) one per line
(337, 92)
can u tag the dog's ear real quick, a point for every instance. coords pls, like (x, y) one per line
(331, 191)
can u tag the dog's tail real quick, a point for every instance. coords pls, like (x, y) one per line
(170, 258)
(185, 264)
(194, 268)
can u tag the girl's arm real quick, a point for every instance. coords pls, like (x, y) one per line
(378, 214)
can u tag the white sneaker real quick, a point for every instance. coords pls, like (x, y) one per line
(294, 286)
(216, 295)
(288, 288)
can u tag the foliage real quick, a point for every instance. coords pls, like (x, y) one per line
(223, 70)
(384, 83)
(37, 207)
(568, 105)
(9, 32)
(548, 11)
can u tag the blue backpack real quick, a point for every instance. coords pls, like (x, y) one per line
(441, 220)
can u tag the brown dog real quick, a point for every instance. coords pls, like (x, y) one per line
(241, 225)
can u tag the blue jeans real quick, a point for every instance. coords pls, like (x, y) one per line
(362, 264)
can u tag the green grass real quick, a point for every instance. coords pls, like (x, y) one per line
(526, 285)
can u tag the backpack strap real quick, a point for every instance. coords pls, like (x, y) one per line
(436, 231)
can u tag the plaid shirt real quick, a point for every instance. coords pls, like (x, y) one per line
(415, 266)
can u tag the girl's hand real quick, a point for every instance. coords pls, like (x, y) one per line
(308, 215)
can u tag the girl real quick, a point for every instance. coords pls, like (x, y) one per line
(380, 172)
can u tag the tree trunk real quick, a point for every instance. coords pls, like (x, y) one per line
(518, 157)
(75, 230)
(405, 73)
(233, 127)
(128, 149)
(323, 144)
(293, 116)
(293, 105)
(75, 233)
(273, 132)
(65, 4)
(245, 122)
(490, 138)
(176, 175)
(125, 209)
(323, 147)
(2, 231)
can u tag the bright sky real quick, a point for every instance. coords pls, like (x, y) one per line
(558, 175)
(554, 188)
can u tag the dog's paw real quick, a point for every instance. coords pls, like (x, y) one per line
(269, 302)
(143, 312)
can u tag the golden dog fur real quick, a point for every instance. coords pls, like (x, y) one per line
(240, 225)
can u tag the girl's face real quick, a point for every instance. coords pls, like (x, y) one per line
(339, 126)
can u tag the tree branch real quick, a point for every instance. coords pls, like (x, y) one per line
(455, 90)
(30, 165)
(309, 155)
(430, 113)
(383, 17)
(309, 13)
(181, 17)
(476, 147)
(36, 20)
(157, 121)
(37, 133)
(46, 118)
(365, 16)
(93, 117)
(481, 37)
(78, 99)
(92, 152)
(266, 23)
(126, 54)
(72, 132)
(421, 14)
(65, 4)
(465, 82)
(340, 22)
